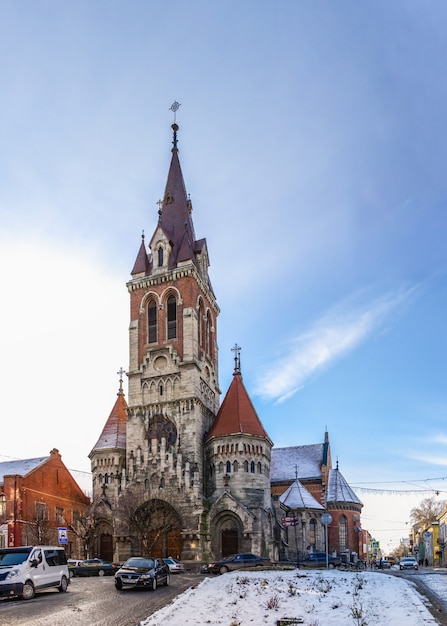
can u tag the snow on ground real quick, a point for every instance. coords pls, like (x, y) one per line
(312, 598)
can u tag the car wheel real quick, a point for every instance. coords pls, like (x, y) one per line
(154, 584)
(331, 566)
(64, 584)
(71, 573)
(223, 569)
(28, 591)
(101, 572)
(118, 583)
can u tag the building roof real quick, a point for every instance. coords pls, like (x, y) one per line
(297, 497)
(113, 434)
(237, 414)
(339, 490)
(21, 467)
(302, 461)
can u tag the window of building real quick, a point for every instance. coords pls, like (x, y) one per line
(41, 511)
(252, 467)
(207, 334)
(313, 533)
(152, 321)
(60, 516)
(245, 466)
(172, 318)
(200, 324)
(343, 532)
(228, 467)
(235, 466)
(2, 505)
(160, 256)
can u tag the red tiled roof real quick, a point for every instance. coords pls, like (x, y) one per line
(114, 432)
(237, 413)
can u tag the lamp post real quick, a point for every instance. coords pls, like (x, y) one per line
(326, 519)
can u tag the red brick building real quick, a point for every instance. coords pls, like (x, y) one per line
(37, 497)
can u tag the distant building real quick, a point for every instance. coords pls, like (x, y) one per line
(37, 498)
(176, 473)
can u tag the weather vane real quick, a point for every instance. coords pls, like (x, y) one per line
(174, 108)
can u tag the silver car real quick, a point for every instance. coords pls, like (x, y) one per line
(408, 562)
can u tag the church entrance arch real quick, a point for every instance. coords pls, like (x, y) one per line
(103, 542)
(226, 537)
(157, 526)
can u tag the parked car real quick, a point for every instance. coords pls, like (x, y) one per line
(142, 572)
(318, 559)
(237, 561)
(408, 562)
(93, 567)
(175, 567)
(384, 564)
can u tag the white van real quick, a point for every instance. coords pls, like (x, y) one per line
(27, 569)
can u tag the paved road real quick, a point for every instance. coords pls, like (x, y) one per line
(93, 602)
(432, 586)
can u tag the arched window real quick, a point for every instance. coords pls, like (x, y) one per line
(235, 466)
(160, 256)
(2, 504)
(245, 466)
(152, 321)
(313, 533)
(259, 468)
(343, 532)
(252, 467)
(228, 467)
(207, 334)
(172, 318)
(200, 324)
(106, 479)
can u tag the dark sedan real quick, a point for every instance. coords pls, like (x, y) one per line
(142, 572)
(92, 567)
(319, 559)
(237, 561)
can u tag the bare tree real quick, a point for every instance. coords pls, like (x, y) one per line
(84, 528)
(150, 522)
(427, 511)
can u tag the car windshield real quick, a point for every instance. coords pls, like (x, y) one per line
(140, 563)
(13, 558)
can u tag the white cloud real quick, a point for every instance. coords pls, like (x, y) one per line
(332, 337)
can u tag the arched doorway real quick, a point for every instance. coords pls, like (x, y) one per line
(226, 537)
(157, 527)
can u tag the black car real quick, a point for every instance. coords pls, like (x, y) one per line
(237, 561)
(142, 572)
(319, 559)
(92, 567)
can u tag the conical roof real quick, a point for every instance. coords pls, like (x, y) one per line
(237, 414)
(339, 490)
(113, 435)
(297, 497)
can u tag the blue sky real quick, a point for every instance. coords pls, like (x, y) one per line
(312, 141)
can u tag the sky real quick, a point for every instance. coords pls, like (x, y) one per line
(317, 597)
(312, 142)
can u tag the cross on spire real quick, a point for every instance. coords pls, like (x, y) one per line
(237, 358)
(120, 373)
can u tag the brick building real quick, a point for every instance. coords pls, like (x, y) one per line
(174, 472)
(38, 496)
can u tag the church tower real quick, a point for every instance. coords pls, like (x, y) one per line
(173, 394)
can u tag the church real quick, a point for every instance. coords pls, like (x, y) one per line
(175, 471)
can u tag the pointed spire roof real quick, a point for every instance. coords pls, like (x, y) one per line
(142, 264)
(113, 435)
(237, 414)
(339, 490)
(297, 497)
